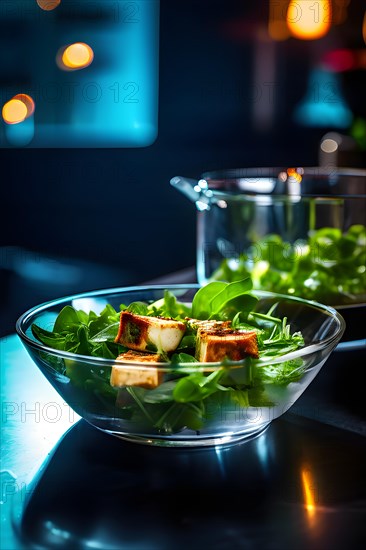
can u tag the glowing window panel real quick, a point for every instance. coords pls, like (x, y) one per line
(309, 20)
(92, 69)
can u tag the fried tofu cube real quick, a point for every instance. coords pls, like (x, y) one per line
(137, 375)
(216, 344)
(144, 333)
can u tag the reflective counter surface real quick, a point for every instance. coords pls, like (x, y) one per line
(300, 484)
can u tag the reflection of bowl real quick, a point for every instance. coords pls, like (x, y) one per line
(154, 417)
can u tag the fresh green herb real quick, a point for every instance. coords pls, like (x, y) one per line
(168, 307)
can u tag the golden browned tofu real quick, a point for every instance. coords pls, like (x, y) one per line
(144, 333)
(215, 345)
(136, 375)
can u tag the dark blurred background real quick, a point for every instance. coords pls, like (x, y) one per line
(230, 95)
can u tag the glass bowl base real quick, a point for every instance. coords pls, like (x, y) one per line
(194, 441)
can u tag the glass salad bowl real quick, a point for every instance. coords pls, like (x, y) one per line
(176, 400)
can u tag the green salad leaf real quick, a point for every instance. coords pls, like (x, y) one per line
(201, 305)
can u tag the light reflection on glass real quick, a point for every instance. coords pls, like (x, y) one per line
(309, 20)
(257, 185)
(309, 492)
(225, 439)
(56, 532)
(90, 304)
(220, 461)
(262, 451)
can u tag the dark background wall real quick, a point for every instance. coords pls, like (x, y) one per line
(115, 207)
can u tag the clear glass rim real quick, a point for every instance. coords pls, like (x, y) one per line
(217, 178)
(26, 317)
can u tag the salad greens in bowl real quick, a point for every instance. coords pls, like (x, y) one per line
(181, 365)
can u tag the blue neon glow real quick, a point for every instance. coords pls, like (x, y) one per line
(323, 104)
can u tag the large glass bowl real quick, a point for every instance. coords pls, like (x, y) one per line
(297, 231)
(139, 415)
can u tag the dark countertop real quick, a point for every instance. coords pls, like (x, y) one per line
(67, 485)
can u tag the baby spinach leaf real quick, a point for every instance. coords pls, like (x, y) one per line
(84, 346)
(195, 387)
(188, 389)
(228, 293)
(240, 397)
(281, 373)
(219, 300)
(138, 308)
(106, 318)
(51, 339)
(201, 305)
(67, 320)
(243, 304)
(107, 334)
(188, 342)
(173, 308)
(82, 316)
(161, 394)
(182, 358)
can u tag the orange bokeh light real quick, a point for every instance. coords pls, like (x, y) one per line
(18, 108)
(48, 5)
(294, 174)
(309, 20)
(28, 102)
(76, 56)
